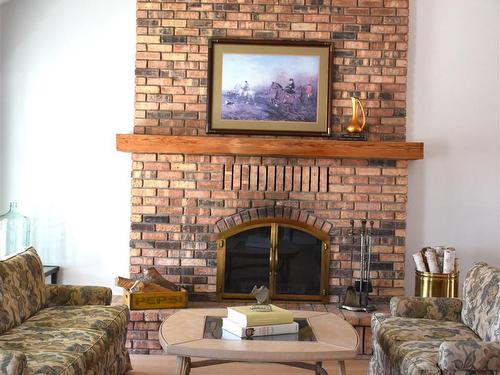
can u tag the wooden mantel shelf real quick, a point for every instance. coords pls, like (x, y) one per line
(288, 147)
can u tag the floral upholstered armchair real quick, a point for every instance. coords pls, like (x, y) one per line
(57, 329)
(424, 336)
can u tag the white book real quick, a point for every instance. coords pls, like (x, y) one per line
(226, 335)
(267, 330)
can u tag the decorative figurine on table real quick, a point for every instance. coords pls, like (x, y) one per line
(261, 294)
(355, 127)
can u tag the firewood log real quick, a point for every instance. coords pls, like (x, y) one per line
(151, 275)
(419, 262)
(449, 261)
(124, 282)
(430, 255)
(150, 280)
(142, 286)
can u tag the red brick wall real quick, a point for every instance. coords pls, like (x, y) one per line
(177, 199)
(370, 39)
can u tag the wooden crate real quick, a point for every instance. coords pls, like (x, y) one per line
(155, 300)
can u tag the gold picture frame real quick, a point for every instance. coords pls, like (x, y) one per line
(269, 87)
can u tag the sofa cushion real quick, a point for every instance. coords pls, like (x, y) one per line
(481, 307)
(412, 344)
(89, 344)
(417, 357)
(87, 339)
(111, 319)
(435, 308)
(76, 295)
(41, 362)
(22, 288)
(395, 330)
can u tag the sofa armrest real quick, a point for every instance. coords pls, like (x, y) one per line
(13, 362)
(427, 308)
(58, 295)
(469, 356)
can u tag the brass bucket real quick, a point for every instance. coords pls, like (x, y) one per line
(436, 284)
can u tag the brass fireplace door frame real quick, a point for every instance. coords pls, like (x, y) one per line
(274, 223)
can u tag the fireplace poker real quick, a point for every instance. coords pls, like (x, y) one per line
(370, 235)
(350, 298)
(367, 288)
(362, 260)
(352, 244)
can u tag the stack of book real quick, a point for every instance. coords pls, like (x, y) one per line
(246, 322)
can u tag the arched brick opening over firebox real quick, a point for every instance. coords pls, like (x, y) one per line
(286, 250)
(272, 212)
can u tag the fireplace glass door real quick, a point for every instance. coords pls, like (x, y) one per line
(247, 260)
(298, 263)
(291, 260)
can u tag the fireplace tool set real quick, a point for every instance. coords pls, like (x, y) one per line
(356, 295)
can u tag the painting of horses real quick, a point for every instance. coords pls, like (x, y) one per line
(270, 88)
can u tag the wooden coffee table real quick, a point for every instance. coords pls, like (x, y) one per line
(184, 334)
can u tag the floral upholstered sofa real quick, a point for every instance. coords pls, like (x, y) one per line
(442, 335)
(56, 329)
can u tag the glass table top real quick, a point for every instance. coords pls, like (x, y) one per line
(213, 330)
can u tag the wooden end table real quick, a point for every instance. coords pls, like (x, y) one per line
(51, 271)
(184, 334)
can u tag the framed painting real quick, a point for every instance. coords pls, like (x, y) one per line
(269, 87)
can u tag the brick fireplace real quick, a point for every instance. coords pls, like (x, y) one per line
(181, 201)
(177, 217)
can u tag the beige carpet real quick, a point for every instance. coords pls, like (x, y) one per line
(165, 365)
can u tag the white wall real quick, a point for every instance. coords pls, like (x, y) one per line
(453, 103)
(68, 87)
(2, 148)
